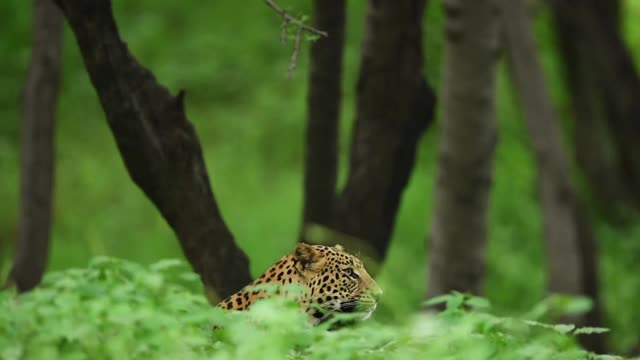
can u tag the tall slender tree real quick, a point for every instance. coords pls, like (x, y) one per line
(569, 239)
(323, 113)
(467, 142)
(39, 98)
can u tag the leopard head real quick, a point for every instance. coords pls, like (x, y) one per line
(335, 282)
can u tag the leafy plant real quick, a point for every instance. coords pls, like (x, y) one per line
(120, 309)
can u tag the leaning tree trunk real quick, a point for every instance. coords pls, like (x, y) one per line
(394, 107)
(467, 142)
(605, 89)
(39, 99)
(570, 245)
(159, 146)
(323, 114)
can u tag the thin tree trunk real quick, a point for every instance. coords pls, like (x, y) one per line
(590, 280)
(394, 108)
(39, 100)
(570, 245)
(323, 113)
(467, 142)
(606, 99)
(159, 146)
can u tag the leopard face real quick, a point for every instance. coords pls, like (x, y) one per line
(333, 281)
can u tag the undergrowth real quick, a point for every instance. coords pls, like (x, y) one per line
(120, 309)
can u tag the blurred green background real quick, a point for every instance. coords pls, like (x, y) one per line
(251, 119)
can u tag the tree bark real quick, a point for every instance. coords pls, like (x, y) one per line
(606, 99)
(323, 113)
(159, 146)
(467, 142)
(394, 107)
(39, 100)
(570, 244)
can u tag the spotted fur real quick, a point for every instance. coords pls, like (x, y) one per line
(332, 280)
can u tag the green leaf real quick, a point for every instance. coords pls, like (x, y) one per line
(166, 264)
(591, 330)
(564, 328)
(440, 299)
(478, 303)
(455, 302)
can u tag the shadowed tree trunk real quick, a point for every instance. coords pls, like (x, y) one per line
(159, 146)
(570, 244)
(605, 91)
(394, 107)
(323, 113)
(467, 142)
(595, 151)
(39, 99)
(321, 163)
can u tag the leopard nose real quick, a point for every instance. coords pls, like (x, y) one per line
(377, 294)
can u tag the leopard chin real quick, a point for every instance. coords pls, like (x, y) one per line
(369, 313)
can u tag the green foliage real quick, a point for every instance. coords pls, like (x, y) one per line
(120, 309)
(554, 306)
(250, 120)
(112, 309)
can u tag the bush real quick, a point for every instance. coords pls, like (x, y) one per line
(119, 309)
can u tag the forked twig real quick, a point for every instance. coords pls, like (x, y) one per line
(287, 20)
(290, 19)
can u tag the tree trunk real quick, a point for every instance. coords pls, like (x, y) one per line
(323, 113)
(571, 254)
(467, 142)
(159, 146)
(606, 99)
(595, 149)
(394, 108)
(39, 99)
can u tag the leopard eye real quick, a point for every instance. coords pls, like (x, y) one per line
(352, 273)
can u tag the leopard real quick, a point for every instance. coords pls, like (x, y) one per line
(331, 281)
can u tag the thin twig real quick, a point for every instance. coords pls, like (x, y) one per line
(288, 18)
(294, 55)
(283, 31)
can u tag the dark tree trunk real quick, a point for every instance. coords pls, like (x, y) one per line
(323, 113)
(569, 239)
(394, 107)
(159, 146)
(467, 143)
(606, 98)
(39, 99)
(590, 280)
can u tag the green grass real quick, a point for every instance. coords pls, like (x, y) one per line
(251, 120)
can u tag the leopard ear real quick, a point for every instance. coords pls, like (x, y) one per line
(305, 254)
(339, 247)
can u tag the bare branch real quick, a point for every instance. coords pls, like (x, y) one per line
(283, 31)
(287, 20)
(290, 19)
(296, 50)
